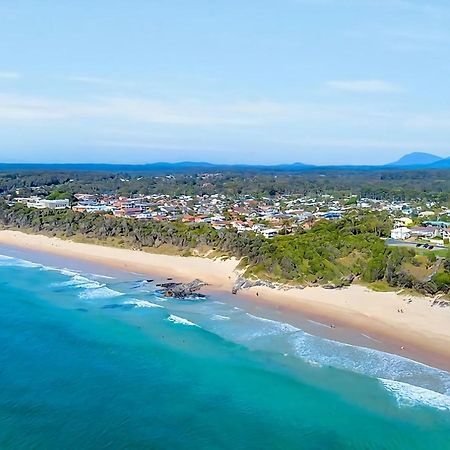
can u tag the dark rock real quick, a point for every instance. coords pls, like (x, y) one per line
(183, 290)
(348, 279)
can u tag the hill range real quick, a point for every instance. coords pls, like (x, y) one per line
(410, 161)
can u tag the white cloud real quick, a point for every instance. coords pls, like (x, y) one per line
(363, 86)
(7, 75)
(248, 118)
(13, 108)
(355, 143)
(191, 112)
(187, 112)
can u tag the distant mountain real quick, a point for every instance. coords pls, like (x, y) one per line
(441, 164)
(412, 161)
(416, 159)
(158, 167)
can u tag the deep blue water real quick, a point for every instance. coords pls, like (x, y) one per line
(93, 362)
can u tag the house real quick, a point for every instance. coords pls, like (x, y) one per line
(425, 232)
(427, 214)
(401, 233)
(403, 222)
(48, 204)
(437, 223)
(144, 216)
(269, 232)
(330, 215)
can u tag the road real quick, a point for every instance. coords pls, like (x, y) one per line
(398, 243)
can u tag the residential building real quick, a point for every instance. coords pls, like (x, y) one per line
(401, 233)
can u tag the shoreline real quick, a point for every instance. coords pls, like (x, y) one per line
(421, 332)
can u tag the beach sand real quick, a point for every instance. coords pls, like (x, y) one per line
(420, 332)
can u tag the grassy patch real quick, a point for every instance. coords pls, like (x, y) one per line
(380, 286)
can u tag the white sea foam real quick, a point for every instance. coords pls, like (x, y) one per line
(98, 292)
(370, 337)
(371, 362)
(318, 323)
(74, 273)
(319, 351)
(6, 258)
(103, 276)
(219, 317)
(409, 395)
(66, 272)
(181, 321)
(79, 281)
(273, 326)
(9, 261)
(142, 304)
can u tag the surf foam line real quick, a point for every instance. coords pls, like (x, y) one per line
(269, 327)
(370, 362)
(181, 321)
(319, 351)
(76, 276)
(10, 261)
(219, 317)
(410, 395)
(90, 293)
(90, 288)
(142, 304)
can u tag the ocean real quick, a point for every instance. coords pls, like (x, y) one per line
(98, 359)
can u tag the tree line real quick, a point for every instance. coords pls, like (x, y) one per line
(331, 252)
(387, 184)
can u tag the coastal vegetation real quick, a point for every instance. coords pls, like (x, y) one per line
(331, 253)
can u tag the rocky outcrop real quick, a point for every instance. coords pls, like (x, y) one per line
(245, 283)
(182, 290)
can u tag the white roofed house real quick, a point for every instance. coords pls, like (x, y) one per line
(50, 204)
(56, 204)
(269, 232)
(401, 233)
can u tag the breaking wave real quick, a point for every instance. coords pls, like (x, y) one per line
(279, 337)
(409, 395)
(410, 382)
(98, 292)
(9, 261)
(219, 317)
(181, 321)
(142, 304)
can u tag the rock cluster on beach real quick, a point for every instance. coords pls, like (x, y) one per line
(245, 283)
(182, 290)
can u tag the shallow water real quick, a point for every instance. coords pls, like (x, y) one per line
(88, 361)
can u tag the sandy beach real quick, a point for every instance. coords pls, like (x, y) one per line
(406, 325)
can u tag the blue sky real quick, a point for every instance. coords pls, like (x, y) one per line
(263, 81)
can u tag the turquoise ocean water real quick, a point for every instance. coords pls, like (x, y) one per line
(95, 362)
